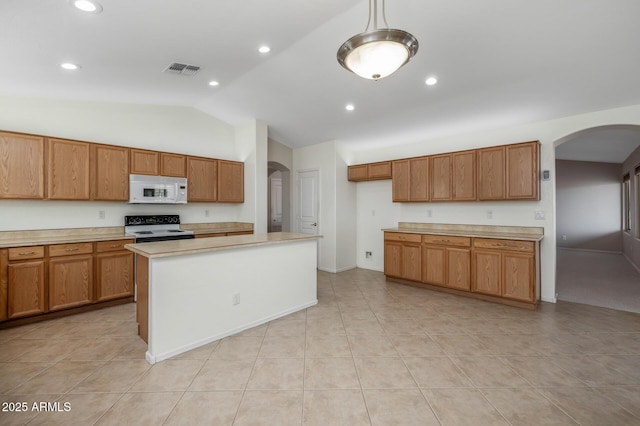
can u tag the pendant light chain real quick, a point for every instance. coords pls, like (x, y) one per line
(375, 15)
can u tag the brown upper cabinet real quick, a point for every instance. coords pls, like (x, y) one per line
(144, 162)
(440, 177)
(21, 166)
(464, 175)
(509, 172)
(523, 171)
(491, 179)
(370, 171)
(202, 177)
(173, 164)
(109, 173)
(410, 179)
(68, 170)
(230, 181)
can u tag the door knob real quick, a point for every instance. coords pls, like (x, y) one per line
(314, 224)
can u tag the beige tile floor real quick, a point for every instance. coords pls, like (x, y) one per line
(371, 352)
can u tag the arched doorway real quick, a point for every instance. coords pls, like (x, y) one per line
(597, 217)
(278, 198)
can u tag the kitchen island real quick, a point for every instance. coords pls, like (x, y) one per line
(193, 292)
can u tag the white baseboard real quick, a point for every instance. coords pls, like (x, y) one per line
(589, 250)
(335, 271)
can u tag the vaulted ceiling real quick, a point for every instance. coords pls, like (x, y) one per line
(498, 62)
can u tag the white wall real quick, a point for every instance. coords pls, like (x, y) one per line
(251, 144)
(375, 197)
(588, 208)
(337, 219)
(173, 129)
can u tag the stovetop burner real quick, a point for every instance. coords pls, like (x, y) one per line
(147, 228)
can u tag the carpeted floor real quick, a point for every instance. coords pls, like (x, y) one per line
(598, 279)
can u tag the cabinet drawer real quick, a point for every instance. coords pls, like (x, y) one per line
(447, 240)
(398, 236)
(69, 249)
(114, 245)
(512, 245)
(20, 253)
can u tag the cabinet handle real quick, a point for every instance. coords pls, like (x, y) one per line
(114, 245)
(71, 249)
(26, 253)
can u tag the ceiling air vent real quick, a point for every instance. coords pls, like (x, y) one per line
(181, 69)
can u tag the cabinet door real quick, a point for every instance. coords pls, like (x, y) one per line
(26, 289)
(357, 173)
(173, 165)
(21, 166)
(70, 281)
(419, 179)
(464, 176)
(110, 173)
(393, 259)
(145, 162)
(4, 279)
(380, 170)
(68, 171)
(441, 177)
(518, 276)
(114, 275)
(230, 181)
(522, 171)
(458, 268)
(411, 262)
(491, 178)
(486, 272)
(433, 265)
(202, 177)
(400, 180)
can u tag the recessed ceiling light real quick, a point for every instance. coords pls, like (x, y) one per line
(87, 6)
(349, 107)
(69, 66)
(431, 81)
(214, 83)
(264, 49)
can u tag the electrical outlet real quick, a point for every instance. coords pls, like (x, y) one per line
(368, 254)
(101, 214)
(489, 214)
(539, 215)
(206, 213)
(564, 238)
(236, 299)
(373, 212)
(429, 213)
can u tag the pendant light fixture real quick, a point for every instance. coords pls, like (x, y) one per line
(377, 53)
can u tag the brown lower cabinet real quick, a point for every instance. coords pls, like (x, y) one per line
(504, 268)
(402, 256)
(37, 280)
(114, 270)
(446, 261)
(493, 269)
(70, 275)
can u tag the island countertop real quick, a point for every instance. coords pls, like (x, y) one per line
(523, 233)
(201, 245)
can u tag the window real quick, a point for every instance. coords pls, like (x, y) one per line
(637, 212)
(626, 203)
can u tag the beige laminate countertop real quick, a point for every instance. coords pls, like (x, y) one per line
(60, 236)
(522, 233)
(201, 245)
(85, 235)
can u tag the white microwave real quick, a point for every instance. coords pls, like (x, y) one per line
(145, 189)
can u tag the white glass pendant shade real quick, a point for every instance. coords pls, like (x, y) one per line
(378, 53)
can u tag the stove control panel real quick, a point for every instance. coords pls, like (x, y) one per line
(156, 219)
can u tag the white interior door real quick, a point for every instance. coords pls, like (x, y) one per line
(308, 198)
(276, 204)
